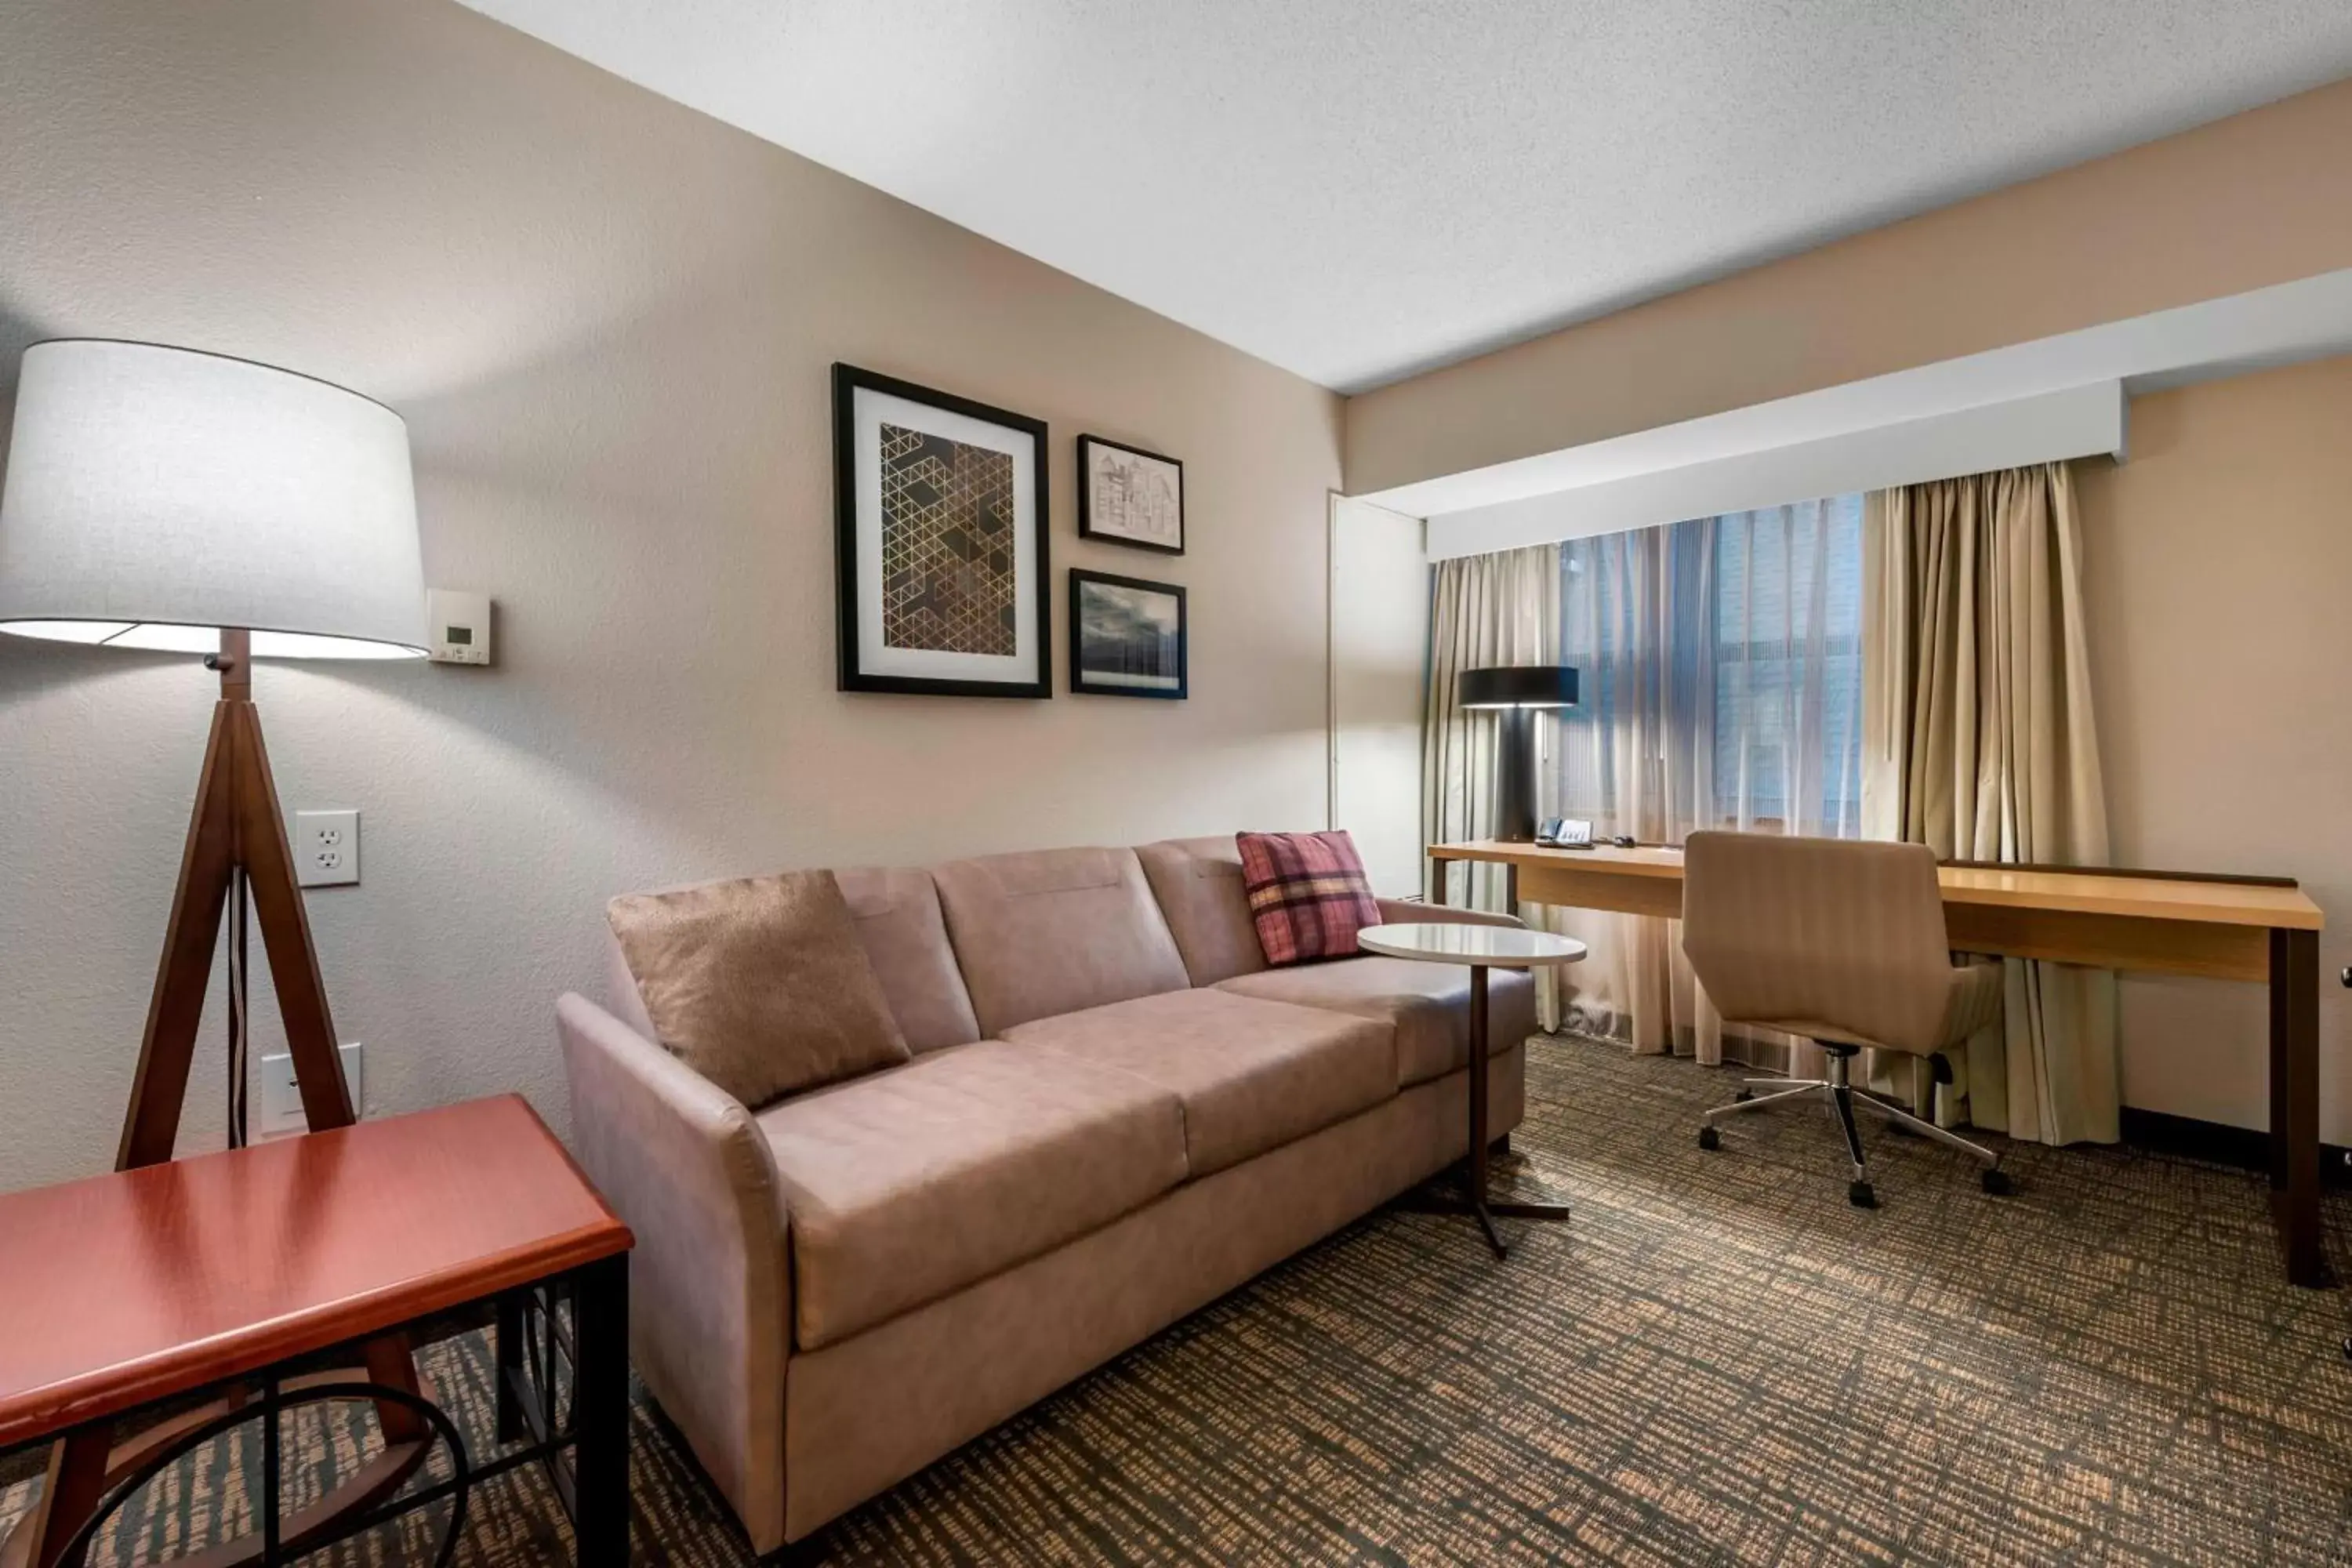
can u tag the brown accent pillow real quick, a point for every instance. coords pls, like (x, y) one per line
(760, 986)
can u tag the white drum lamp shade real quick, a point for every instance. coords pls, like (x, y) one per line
(155, 495)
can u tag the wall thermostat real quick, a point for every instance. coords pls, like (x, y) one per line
(460, 625)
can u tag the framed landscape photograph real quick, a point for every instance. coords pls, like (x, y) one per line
(1128, 638)
(940, 552)
(1130, 496)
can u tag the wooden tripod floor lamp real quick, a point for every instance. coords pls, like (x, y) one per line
(170, 500)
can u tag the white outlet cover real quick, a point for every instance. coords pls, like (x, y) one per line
(326, 849)
(280, 1110)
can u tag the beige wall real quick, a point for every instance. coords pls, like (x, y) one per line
(1380, 654)
(2259, 198)
(2219, 582)
(608, 321)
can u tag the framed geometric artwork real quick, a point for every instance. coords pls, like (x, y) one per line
(1128, 638)
(940, 552)
(1130, 496)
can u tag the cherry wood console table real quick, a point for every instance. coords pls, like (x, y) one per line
(2262, 929)
(240, 1272)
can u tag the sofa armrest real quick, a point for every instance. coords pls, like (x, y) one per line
(683, 1162)
(1398, 912)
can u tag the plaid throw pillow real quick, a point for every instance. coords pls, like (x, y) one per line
(1306, 893)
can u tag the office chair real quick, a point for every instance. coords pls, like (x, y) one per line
(1840, 941)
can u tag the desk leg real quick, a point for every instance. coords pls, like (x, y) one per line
(2294, 1101)
(601, 1414)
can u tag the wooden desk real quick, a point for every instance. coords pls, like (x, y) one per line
(149, 1284)
(2220, 930)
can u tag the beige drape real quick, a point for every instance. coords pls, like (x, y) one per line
(1978, 741)
(1484, 610)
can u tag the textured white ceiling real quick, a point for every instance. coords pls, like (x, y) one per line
(1360, 189)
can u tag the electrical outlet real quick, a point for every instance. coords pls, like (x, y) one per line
(326, 847)
(281, 1112)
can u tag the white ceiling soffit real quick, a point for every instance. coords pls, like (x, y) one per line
(2082, 422)
(1358, 190)
(1902, 428)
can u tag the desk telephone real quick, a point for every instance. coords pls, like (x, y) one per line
(1570, 833)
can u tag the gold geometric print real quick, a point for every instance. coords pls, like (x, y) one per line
(948, 576)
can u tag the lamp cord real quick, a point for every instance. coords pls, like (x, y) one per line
(240, 1032)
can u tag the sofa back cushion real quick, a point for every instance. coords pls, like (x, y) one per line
(1054, 930)
(1198, 883)
(905, 937)
(761, 984)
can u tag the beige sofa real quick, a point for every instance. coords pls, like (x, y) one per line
(1116, 1113)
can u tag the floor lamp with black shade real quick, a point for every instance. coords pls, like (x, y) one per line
(174, 501)
(1515, 693)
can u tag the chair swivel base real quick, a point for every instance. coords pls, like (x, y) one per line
(1838, 1094)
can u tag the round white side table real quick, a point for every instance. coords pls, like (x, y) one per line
(1481, 947)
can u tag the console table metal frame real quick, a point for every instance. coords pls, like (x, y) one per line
(561, 1386)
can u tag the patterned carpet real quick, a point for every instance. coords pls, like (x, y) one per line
(1718, 1361)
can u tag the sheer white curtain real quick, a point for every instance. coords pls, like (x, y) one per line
(1719, 663)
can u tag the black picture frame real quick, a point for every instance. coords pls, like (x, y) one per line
(1091, 527)
(1033, 600)
(1098, 683)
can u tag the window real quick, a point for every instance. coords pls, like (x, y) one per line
(1721, 668)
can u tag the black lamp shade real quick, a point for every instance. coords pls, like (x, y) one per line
(1518, 686)
(1514, 691)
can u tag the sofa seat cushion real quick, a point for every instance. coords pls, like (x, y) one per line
(1252, 1074)
(909, 1184)
(1429, 1003)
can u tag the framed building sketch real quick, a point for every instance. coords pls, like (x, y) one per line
(1130, 496)
(941, 552)
(1128, 638)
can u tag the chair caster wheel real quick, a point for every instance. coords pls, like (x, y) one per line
(1743, 1095)
(1859, 1195)
(1709, 1138)
(1998, 1183)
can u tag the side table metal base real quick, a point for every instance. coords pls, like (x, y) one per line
(1480, 949)
(1487, 1213)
